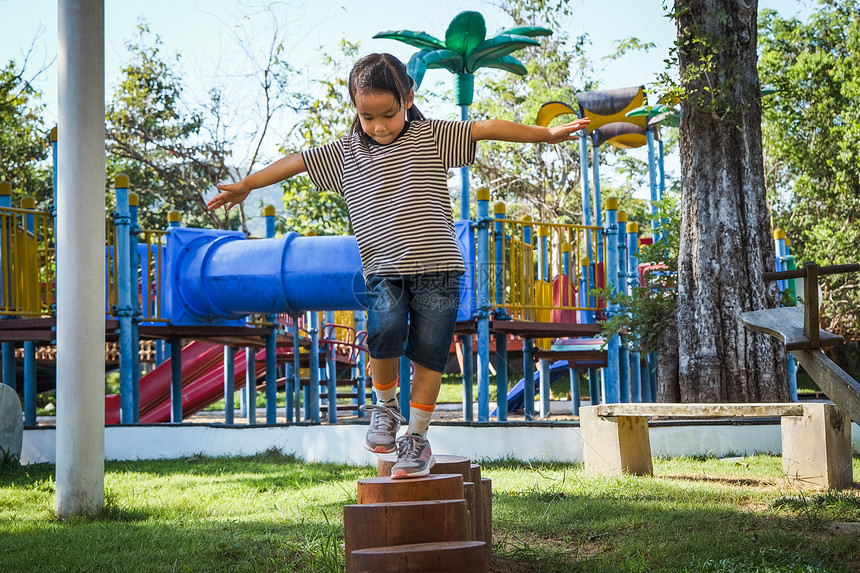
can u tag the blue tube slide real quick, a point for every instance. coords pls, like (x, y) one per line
(219, 277)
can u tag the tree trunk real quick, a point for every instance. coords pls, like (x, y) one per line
(668, 389)
(725, 229)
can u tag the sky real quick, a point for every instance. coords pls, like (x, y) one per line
(205, 33)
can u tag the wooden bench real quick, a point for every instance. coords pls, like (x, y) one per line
(816, 437)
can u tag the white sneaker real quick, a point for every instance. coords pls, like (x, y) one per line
(384, 423)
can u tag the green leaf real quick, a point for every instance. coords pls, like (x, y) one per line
(496, 47)
(465, 31)
(416, 67)
(421, 40)
(528, 31)
(447, 59)
(507, 63)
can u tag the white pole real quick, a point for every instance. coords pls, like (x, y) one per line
(80, 258)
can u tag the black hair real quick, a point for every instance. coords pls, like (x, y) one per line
(381, 72)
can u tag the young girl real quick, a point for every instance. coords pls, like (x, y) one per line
(391, 170)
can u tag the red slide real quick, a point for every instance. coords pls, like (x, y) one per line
(202, 383)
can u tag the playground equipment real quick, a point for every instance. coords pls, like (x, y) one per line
(525, 279)
(208, 285)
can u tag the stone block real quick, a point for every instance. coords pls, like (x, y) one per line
(816, 447)
(11, 422)
(615, 445)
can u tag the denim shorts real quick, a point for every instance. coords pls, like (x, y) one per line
(413, 315)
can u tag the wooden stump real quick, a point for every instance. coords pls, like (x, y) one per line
(440, 522)
(479, 503)
(400, 523)
(469, 493)
(487, 494)
(444, 465)
(450, 556)
(433, 486)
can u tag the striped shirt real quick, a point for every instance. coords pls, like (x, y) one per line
(397, 194)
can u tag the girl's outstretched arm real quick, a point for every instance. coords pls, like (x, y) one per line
(501, 130)
(234, 193)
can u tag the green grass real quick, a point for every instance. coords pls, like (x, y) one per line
(273, 513)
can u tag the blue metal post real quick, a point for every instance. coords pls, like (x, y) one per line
(136, 292)
(124, 310)
(574, 391)
(465, 340)
(312, 409)
(645, 377)
(499, 242)
(464, 175)
(272, 372)
(528, 348)
(405, 386)
(611, 379)
(483, 286)
(595, 164)
(175, 380)
(544, 364)
(583, 163)
(271, 338)
(360, 365)
(251, 385)
(586, 316)
(297, 379)
(289, 392)
(652, 375)
(652, 178)
(331, 375)
(621, 282)
(229, 383)
(29, 383)
(529, 379)
(468, 376)
(632, 282)
(661, 185)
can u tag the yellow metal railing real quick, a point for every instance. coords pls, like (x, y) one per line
(27, 263)
(153, 274)
(531, 288)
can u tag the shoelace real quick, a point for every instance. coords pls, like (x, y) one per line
(407, 446)
(385, 416)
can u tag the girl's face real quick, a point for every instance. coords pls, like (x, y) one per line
(381, 115)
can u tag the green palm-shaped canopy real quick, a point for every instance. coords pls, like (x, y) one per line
(465, 50)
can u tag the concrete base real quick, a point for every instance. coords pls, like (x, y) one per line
(616, 445)
(816, 448)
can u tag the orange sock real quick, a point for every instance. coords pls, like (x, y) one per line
(419, 417)
(386, 393)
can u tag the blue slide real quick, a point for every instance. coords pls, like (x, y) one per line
(515, 396)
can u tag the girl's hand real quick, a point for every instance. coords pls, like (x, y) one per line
(567, 132)
(231, 194)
